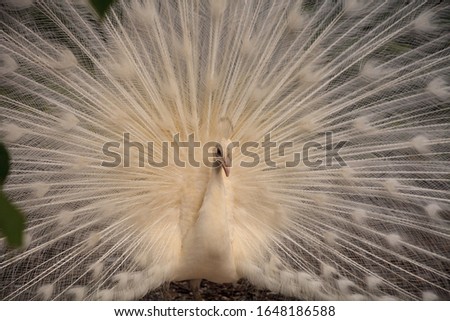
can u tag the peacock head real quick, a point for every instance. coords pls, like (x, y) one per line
(223, 155)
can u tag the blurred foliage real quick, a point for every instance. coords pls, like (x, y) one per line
(12, 222)
(4, 163)
(101, 6)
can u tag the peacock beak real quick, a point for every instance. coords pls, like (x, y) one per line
(226, 165)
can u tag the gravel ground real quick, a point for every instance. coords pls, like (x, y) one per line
(240, 291)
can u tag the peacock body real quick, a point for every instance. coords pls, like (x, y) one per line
(107, 222)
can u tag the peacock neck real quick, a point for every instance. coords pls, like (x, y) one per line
(207, 250)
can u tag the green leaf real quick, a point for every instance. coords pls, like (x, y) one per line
(12, 222)
(4, 163)
(101, 6)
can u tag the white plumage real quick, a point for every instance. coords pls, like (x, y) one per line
(375, 74)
